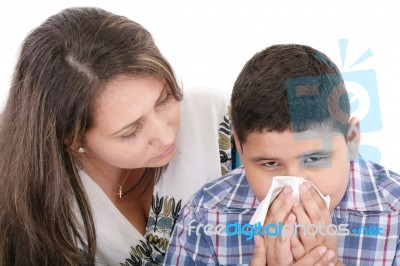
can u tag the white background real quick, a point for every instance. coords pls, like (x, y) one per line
(208, 42)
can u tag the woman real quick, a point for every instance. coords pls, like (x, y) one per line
(90, 125)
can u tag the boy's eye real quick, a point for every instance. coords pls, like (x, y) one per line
(313, 159)
(271, 164)
(317, 161)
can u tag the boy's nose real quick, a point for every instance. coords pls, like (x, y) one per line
(295, 171)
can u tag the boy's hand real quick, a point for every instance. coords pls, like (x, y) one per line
(319, 256)
(313, 213)
(276, 250)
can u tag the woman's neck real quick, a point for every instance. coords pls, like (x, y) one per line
(115, 182)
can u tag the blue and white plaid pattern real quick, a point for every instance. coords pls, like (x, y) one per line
(372, 199)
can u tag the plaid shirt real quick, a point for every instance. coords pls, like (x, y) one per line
(371, 199)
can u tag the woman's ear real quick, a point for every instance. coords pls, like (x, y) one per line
(75, 147)
(353, 138)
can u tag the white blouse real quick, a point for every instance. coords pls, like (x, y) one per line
(203, 154)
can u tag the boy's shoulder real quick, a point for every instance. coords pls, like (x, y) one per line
(388, 186)
(372, 187)
(230, 191)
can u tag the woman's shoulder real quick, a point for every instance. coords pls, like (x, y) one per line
(197, 99)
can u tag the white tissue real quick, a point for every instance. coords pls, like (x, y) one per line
(278, 183)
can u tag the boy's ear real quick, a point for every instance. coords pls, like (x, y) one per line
(237, 143)
(353, 138)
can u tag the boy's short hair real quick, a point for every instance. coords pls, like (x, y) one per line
(289, 87)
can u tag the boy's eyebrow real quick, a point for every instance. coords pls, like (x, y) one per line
(316, 153)
(305, 154)
(262, 158)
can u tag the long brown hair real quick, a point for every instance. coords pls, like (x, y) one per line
(45, 216)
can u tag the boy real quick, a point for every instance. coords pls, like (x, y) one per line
(291, 117)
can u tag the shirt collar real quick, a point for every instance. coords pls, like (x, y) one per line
(241, 195)
(363, 192)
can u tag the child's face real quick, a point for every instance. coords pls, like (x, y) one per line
(317, 155)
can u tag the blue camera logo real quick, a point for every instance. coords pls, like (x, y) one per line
(316, 98)
(364, 99)
(363, 92)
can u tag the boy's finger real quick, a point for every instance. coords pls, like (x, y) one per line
(278, 212)
(323, 213)
(303, 223)
(288, 228)
(310, 205)
(317, 197)
(307, 199)
(271, 240)
(280, 201)
(321, 204)
(327, 259)
(259, 252)
(317, 257)
(281, 207)
(278, 248)
(283, 245)
(298, 250)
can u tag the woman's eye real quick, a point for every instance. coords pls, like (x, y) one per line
(166, 99)
(134, 133)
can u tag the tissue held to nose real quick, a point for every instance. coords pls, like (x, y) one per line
(278, 183)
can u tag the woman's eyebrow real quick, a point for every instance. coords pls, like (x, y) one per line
(165, 87)
(125, 127)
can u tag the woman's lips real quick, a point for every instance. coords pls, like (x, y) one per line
(167, 152)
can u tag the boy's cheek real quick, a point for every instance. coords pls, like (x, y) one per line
(260, 192)
(260, 186)
(334, 187)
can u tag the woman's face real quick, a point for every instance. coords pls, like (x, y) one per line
(136, 122)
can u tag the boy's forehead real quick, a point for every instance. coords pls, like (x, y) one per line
(317, 132)
(318, 138)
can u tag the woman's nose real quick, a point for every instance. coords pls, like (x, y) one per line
(161, 133)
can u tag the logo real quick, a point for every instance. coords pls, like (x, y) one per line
(279, 229)
(314, 99)
(362, 89)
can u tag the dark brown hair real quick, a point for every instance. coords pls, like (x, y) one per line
(289, 87)
(45, 216)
